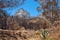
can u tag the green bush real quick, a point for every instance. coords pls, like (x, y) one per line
(44, 34)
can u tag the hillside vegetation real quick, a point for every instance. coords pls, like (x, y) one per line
(16, 28)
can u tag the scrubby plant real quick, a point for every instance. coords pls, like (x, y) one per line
(44, 34)
(45, 23)
(56, 23)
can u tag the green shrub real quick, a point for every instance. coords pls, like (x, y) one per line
(44, 34)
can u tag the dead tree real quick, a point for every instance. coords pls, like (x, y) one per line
(50, 9)
(3, 18)
(10, 3)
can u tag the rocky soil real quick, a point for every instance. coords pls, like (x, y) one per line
(23, 34)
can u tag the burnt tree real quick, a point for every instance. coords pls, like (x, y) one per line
(50, 9)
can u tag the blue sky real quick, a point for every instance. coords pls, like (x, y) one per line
(29, 6)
